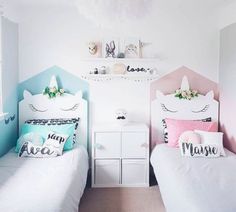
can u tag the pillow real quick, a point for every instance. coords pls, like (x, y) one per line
(56, 122)
(32, 137)
(189, 137)
(56, 141)
(200, 150)
(177, 127)
(212, 138)
(30, 150)
(43, 130)
(165, 131)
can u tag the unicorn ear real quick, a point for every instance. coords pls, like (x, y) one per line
(185, 84)
(27, 94)
(159, 94)
(79, 94)
(53, 82)
(210, 95)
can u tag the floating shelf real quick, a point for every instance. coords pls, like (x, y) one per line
(149, 60)
(110, 77)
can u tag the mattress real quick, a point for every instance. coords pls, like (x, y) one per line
(195, 184)
(43, 184)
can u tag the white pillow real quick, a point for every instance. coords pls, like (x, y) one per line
(212, 138)
(28, 149)
(56, 141)
(200, 150)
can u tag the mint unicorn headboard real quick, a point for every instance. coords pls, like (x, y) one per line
(40, 106)
(169, 106)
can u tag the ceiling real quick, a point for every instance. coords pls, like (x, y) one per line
(187, 3)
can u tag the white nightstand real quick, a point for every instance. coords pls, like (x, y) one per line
(120, 156)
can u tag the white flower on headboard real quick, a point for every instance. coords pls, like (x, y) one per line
(52, 91)
(185, 92)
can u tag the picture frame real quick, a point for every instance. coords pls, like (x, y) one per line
(132, 48)
(110, 48)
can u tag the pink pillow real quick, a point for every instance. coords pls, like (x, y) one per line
(177, 127)
(190, 137)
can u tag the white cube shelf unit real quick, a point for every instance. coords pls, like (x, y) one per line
(120, 156)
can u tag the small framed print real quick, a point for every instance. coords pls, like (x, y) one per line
(132, 47)
(110, 48)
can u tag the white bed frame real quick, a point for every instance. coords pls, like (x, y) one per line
(169, 106)
(39, 106)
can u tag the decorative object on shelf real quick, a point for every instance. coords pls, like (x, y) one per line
(121, 55)
(121, 117)
(101, 70)
(119, 68)
(137, 70)
(111, 48)
(132, 48)
(94, 49)
(52, 91)
(185, 92)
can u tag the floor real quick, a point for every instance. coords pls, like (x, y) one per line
(122, 200)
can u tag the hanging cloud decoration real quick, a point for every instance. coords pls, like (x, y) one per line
(111, 12)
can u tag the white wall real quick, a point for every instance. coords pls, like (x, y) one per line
(179, 36)
(227, 15)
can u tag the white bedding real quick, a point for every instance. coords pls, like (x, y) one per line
(195, 184)
(43, 184)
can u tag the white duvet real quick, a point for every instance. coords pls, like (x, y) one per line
(195, 184)
(43, 184)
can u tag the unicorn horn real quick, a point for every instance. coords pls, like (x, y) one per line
(185, 84)
(53, 82)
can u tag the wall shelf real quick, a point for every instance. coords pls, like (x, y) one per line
(110, 77)
(136, 60)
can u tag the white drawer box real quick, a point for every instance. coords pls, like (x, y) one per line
(134, 172)
(107, 172)
(134, 145)
(107, 145)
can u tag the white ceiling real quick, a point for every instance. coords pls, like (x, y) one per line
(186, 3)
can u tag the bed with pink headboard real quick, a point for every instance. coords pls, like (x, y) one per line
(190, 184)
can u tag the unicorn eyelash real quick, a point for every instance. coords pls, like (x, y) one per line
(34, 109)
(164, 108)
(75, 107)
(203, 110)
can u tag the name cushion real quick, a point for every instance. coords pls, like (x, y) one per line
(200, 150)
(28, 149)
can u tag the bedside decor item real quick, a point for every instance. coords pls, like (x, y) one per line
(185, 92)
(94, 49)
(121, 117)
(119, 68)
(52, 91)
(110, 48)
(132, 48)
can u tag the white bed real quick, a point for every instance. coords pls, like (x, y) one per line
(43, 185)
(195, 184)
(190, 184)
(47, 184)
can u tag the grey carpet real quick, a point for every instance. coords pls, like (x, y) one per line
(122, 200)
